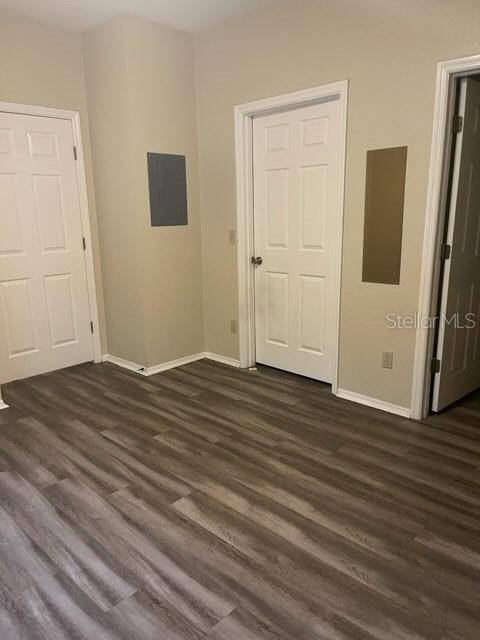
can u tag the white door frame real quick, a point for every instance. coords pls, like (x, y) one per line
(447, 72)
(244, 115)
(74, 117)
(3, 405)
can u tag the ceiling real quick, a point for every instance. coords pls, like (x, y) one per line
(188, 15)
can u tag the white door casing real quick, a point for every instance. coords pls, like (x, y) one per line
(447, 72)
(459, 342)
(297, 175)
(3, 405)
(45, 311)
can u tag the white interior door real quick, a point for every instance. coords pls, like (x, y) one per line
(459, 337)
(296, 163)
(44, 306)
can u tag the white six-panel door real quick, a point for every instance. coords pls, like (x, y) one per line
(459, 337)
(44, 306)
(296, 161)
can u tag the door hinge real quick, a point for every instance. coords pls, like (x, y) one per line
(436, 365)
(91, 327)
(75, 152)
(84, 244)
(445, 252)
(458, 124)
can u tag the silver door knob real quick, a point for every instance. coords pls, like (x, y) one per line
(257, 260)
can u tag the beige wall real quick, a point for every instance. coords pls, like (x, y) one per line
(141, 97)
(111, 124)
(44, 67)
(388, 51)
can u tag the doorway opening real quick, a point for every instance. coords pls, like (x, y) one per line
(447, 364)
(289, 236)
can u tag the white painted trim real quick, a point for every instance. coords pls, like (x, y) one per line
(434, 219)
(74, 118)
(245, 245)
(232, 362)
(125, 364)
(87, 234)
(3, 405)
(244, 187)
(373, 402)
(35, 110)
(164, 366)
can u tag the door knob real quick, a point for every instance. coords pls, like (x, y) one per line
(257, 260)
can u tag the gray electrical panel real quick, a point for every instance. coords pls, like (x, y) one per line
(167, 181)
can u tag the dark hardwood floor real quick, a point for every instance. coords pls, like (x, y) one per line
(211, 503)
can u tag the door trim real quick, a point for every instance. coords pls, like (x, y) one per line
(447, 72)
(3, 405)
(74, 118)
(352, 396)
(244, 115)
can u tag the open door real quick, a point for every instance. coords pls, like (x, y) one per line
(458, 352)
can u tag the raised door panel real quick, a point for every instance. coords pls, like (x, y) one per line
(49, 212)
(277, 308)
(18, 317)
(312, 311)
(277, 138)
(459, 351)
(276, 184)
(315, 132)
(61, 310)
(11, 241)
(467, 217)
(6, 142)
(314, 206)
(476, 330)
(42, 144)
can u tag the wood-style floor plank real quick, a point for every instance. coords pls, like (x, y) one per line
(209, 503)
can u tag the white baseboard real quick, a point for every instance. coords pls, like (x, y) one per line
(164, 366)
(223, 359)
(374, 403)
(125, 364)
(150, 371)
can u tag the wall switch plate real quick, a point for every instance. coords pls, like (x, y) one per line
(234, 326)
(232, 236)
(387, 359)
